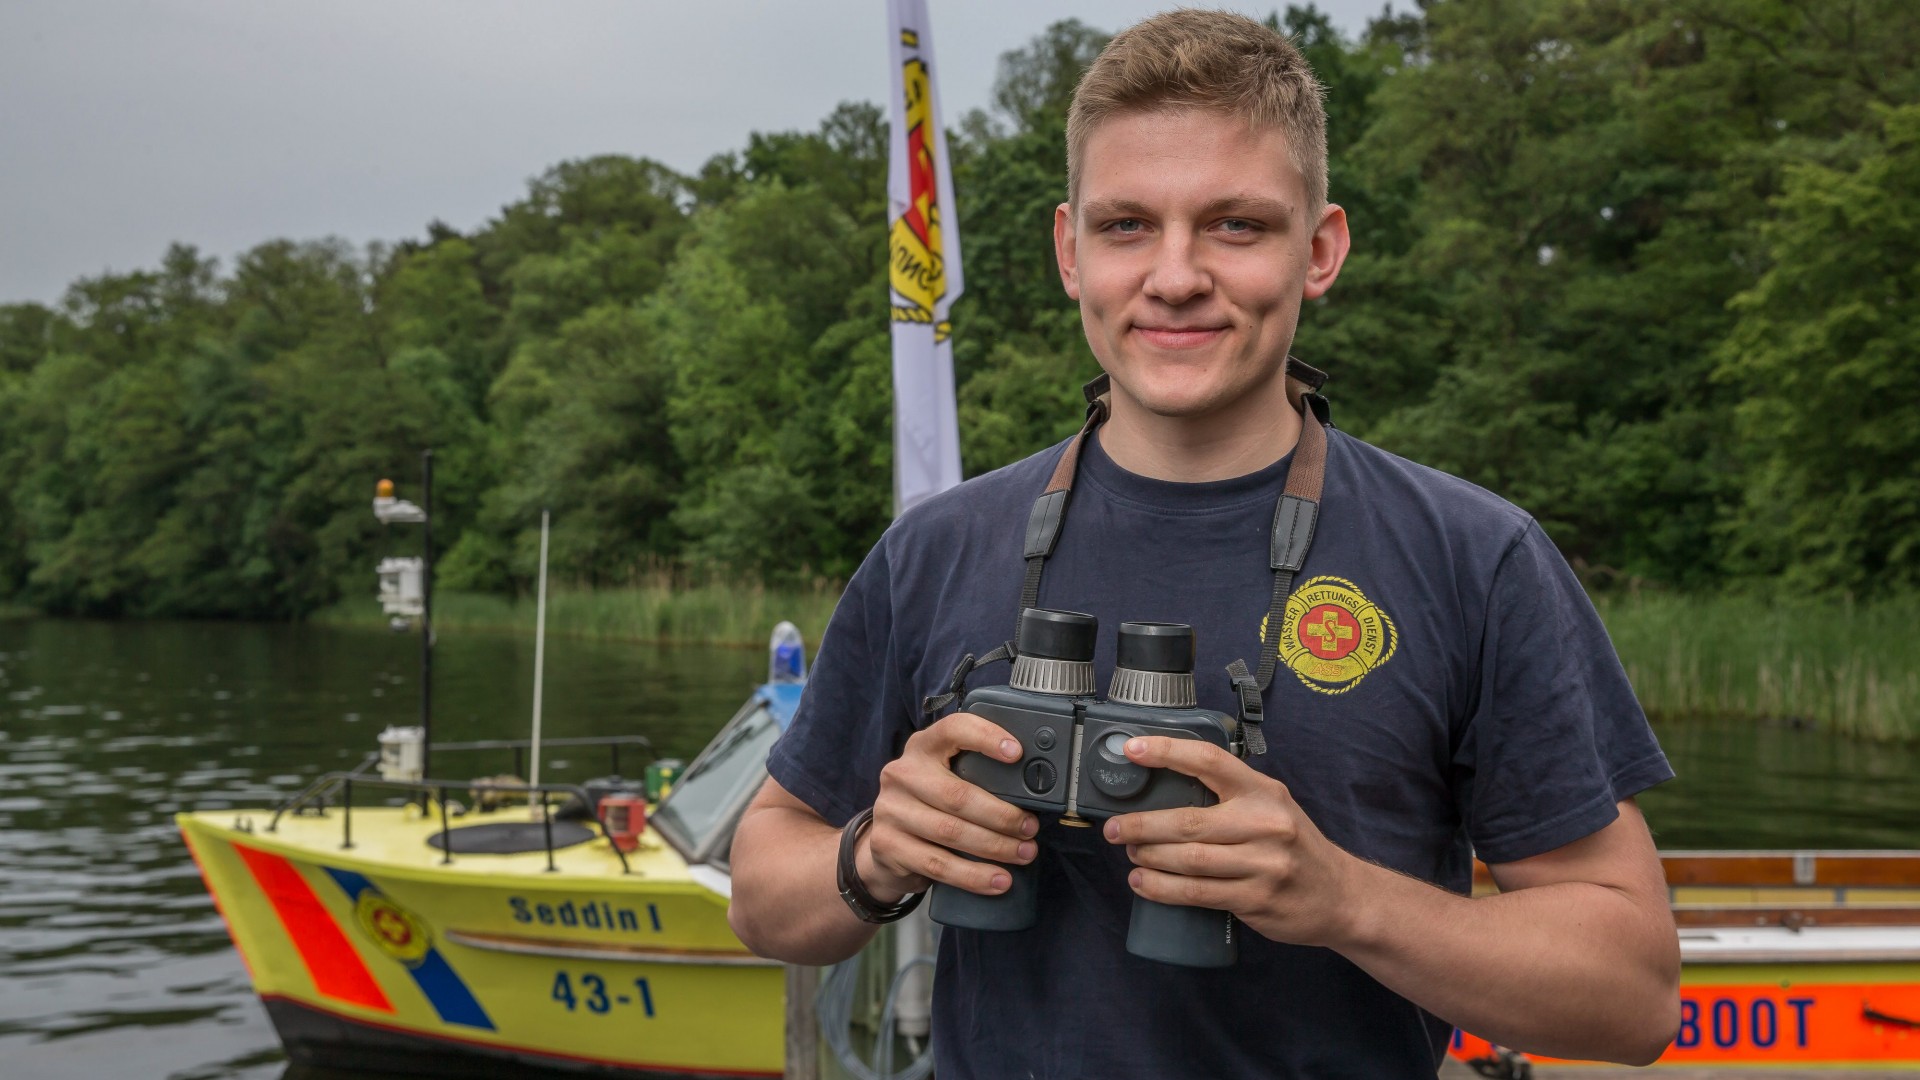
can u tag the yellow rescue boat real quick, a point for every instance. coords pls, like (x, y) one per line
(430, 940)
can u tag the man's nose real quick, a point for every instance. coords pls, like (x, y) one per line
(1177, 274)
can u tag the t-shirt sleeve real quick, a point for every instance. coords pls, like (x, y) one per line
(855, 714)
(1555, 737)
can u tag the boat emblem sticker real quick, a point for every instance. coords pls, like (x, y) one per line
(393, 928)
(405, 936)
(1332, 636)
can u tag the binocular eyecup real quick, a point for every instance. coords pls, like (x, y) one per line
(1057, 635)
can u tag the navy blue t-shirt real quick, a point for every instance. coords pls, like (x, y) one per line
(1445, 689)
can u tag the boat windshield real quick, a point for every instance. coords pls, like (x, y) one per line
(699, 815)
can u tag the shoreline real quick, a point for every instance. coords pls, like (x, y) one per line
(645, 614)
(1832, 665)
(1835, 666)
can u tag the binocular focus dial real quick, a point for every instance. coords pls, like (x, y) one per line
(1040, 776)
(1113, 773)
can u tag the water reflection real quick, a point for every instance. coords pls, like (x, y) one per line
(1779, 786)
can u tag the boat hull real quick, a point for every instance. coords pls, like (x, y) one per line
(316, 1038)
(1788, 1015)
(1792, 959)
(379, 956)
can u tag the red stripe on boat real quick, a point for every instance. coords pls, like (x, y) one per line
(337, 970)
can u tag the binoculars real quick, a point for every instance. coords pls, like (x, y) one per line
(1074, 763)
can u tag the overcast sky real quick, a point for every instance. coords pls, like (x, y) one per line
(128, 124)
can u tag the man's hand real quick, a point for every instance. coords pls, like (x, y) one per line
(1575, 958)
(1255, 853)
(925, 813)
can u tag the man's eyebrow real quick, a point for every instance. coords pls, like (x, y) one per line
(1113, 208)
(1253, 206)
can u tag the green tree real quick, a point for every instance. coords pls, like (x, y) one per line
(579, 429)
(1644, 266)
(589, 231)
(26, 337)
(1019, 353)
(433, 297)
(1824, 351)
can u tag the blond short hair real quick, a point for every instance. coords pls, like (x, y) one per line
(1213, 60)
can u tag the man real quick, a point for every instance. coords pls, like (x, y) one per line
(1444, 688)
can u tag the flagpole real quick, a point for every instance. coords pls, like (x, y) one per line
(924, 278)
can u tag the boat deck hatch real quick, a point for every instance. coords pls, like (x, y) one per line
(509, 837)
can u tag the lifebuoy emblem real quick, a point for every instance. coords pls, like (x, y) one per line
(398, 932)
(1332, 636)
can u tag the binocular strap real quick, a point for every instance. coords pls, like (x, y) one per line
(1294, 518)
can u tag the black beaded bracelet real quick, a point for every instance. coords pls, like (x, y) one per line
(853, 890)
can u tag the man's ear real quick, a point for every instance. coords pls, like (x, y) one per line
(1063, 250)
(1330, 244)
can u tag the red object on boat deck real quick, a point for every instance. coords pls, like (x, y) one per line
(626, 818)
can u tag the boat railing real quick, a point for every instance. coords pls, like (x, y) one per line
(315, 796)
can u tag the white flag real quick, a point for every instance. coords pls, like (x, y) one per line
(923, 243)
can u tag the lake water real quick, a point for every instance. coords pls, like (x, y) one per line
(113, 963)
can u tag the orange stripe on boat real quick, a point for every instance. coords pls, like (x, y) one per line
(1785, 1023)
(337, 970)
(207, 883)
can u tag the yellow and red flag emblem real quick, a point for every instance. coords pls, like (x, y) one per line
(918, 262)
(923, 259)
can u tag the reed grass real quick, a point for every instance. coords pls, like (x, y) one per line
(1853, 669)
(665, 612)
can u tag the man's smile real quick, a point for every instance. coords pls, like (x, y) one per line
(1179, 336)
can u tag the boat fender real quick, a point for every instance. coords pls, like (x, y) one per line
(494, 792)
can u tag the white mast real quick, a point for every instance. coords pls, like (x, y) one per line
(539, 656)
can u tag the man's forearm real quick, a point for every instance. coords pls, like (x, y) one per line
(1577, 956)
(1571, 969)
(786, 904)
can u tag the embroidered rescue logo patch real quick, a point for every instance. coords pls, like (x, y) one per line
(1332, 635)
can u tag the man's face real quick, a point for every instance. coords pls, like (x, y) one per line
(1190, 252)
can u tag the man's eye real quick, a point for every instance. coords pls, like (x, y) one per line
(1237, 225)
(1126, 226)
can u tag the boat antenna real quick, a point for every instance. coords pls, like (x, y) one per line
(406, 592)
(539, 652)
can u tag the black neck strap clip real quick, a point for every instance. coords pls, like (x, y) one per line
(957, 682)
(1252, 740)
